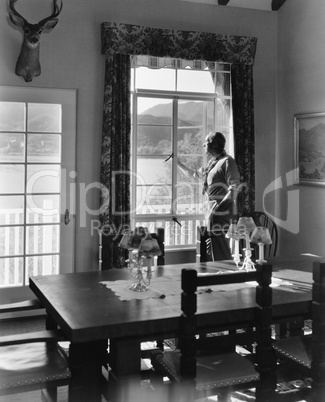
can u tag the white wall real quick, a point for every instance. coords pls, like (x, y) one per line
(70, 58)
(301, 89)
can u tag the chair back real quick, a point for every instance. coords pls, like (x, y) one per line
(188, 341)
(318, 332)
(108, 249)
(262, 219)
(30, 360)
(203, 244)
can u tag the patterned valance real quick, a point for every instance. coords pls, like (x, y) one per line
(139, 40)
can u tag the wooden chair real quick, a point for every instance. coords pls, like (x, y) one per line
(203, 244)
(308, 351)
(31, 360)
(210, 365)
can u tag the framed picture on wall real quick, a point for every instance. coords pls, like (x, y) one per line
(309, 135)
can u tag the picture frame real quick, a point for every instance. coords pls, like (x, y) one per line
(309, 136)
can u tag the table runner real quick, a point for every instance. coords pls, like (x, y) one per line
(166, 286)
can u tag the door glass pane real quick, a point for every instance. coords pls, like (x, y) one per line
(11, 210)
(11, 240)
(43, 178)
(42, 265)
(43, 148)
(12, 147)
(45, 118)
(11, 271)
(12, 179)
(43, 209)
(12, 116)
(42, 239)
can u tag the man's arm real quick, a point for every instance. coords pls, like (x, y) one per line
(188, 171)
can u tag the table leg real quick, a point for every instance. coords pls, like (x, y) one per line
(124, 356)
(50, 323)
(86, 360)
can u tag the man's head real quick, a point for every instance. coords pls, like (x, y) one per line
(215, 143)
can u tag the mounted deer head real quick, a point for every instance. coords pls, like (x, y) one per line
(28, 65)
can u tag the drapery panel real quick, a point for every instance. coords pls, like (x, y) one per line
(115, 158)
(118, 43)
(244, 138)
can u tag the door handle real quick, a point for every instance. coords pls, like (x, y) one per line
(67, 217)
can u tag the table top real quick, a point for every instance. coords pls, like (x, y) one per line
(87, 310)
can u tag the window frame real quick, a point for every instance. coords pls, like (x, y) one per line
(154, 220)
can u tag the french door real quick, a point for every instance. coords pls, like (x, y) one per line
(37, 183)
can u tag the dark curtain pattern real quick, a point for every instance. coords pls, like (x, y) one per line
(119, 43)
(115, 158)
(243, 116)
(190, 45)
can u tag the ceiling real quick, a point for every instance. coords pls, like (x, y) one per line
(268, 5)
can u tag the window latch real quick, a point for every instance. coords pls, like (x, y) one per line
(177, 221)
(170, 156)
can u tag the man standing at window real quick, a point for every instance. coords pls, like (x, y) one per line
(220, 180)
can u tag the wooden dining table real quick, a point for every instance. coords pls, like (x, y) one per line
(89, 310)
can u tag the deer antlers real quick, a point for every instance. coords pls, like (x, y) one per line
(28, 65)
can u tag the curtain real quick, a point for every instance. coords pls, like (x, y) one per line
(118, 43)
(115, 158)
(244, 138)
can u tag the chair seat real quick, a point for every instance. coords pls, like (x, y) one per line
(213, 370)
(32, 363)
(296, 348)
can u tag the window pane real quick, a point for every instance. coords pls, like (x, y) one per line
(43, 178)
(42, 239)
(153, 171)
(223, 84)
(43, 148)
(195, 81)
(11, 210)
(43, 209)
(42, 265)
(155, 111)
(43, 117)
(154, 140)
(12, 116)
(11, 271)
(154, 199)
(223, 114)
(195, 117)
(162, 78)
(12, 147)
(12, 179)
(11, 240)
(189, 197)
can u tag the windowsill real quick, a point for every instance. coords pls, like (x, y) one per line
(180, 249)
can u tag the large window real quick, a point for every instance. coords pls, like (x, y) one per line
(175, 104)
